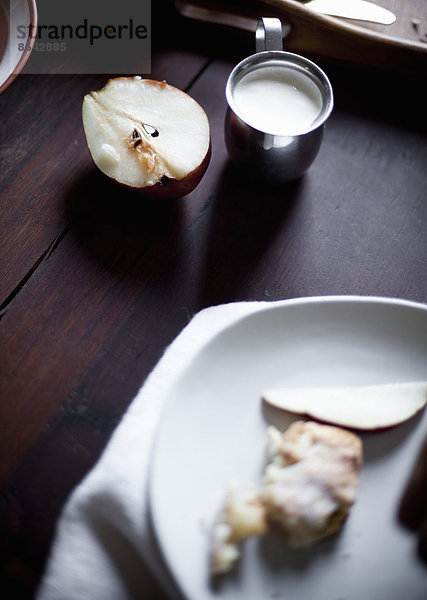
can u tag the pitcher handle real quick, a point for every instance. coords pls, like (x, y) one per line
(268, 35)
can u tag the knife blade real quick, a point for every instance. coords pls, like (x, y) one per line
(360, 10)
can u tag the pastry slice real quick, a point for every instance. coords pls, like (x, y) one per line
(311, 481)
(309, 486)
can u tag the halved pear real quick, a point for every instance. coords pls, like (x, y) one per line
(358, 407)
(147, 135)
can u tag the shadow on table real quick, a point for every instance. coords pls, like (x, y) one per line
(379, 95)
(245, 217)
(140, 241)
(126, 235)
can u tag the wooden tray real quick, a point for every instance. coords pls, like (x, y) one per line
(400, 46)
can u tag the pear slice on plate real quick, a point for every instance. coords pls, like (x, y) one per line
(358, 407)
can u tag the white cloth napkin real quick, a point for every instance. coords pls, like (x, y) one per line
(104, 547)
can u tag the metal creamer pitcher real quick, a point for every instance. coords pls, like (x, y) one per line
(267, 150)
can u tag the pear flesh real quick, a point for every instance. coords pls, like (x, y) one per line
(147, 134)
(358, 407)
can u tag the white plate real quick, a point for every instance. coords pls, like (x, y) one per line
(18, 28)
(214, 432)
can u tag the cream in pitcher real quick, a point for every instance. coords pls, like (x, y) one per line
(278, 100)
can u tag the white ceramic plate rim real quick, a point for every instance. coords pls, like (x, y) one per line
(14, 70)
(157, 515)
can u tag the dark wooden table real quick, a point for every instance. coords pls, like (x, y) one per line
(95, 283)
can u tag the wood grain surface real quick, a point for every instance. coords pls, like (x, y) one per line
(95, 283)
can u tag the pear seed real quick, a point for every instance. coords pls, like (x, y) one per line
(150, 130)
